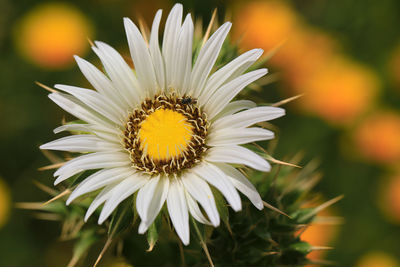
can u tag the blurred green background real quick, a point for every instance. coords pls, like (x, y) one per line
(344, 55)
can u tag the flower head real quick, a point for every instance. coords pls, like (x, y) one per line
(168, 129)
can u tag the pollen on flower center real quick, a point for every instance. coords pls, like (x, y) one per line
(165, 134)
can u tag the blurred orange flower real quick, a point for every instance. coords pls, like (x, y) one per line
(340, 91)
(377, 259)
(5, 203)
(50, 34)
(378, 137)
(264, 24)
(337, 89)
(320, 233)
(390, 198)
(304, 54)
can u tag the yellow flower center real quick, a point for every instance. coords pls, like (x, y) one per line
(165, 134)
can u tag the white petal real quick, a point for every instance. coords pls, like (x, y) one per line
(183, 57)
(241, 69)
(78, 109)
(238, 136)
(217, 178)
(200, 191)
(125, 189)
(248, 117)
(170, 40)
(225, 73)
(109, 134)
(242, 184)
(79, 127)
(81, 143)
(178, 210)
(195, 210)
(97, 160)
(143, 226)
(100, 199)
(100, 82)
(95, 101)
(228, 91)
(238, 155)
(206, 59)
(155, 52)
(141, 58)
(120, 73)
(150, 199)
(234, 107)
(98, 180)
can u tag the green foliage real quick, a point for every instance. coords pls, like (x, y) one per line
(265, 238)
(86, 239)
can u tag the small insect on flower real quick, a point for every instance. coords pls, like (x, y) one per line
(188, 100)
(167, 129)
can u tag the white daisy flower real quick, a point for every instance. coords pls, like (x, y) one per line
(167, 130)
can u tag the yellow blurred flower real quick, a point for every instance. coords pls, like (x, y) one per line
(377, 259)
(5, 202)
(340, 91)
(389, 198)
(378, 137)
(50, 34)
(264, 24)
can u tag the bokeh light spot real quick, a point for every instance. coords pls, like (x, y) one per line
(50, 34)
(378, 137)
